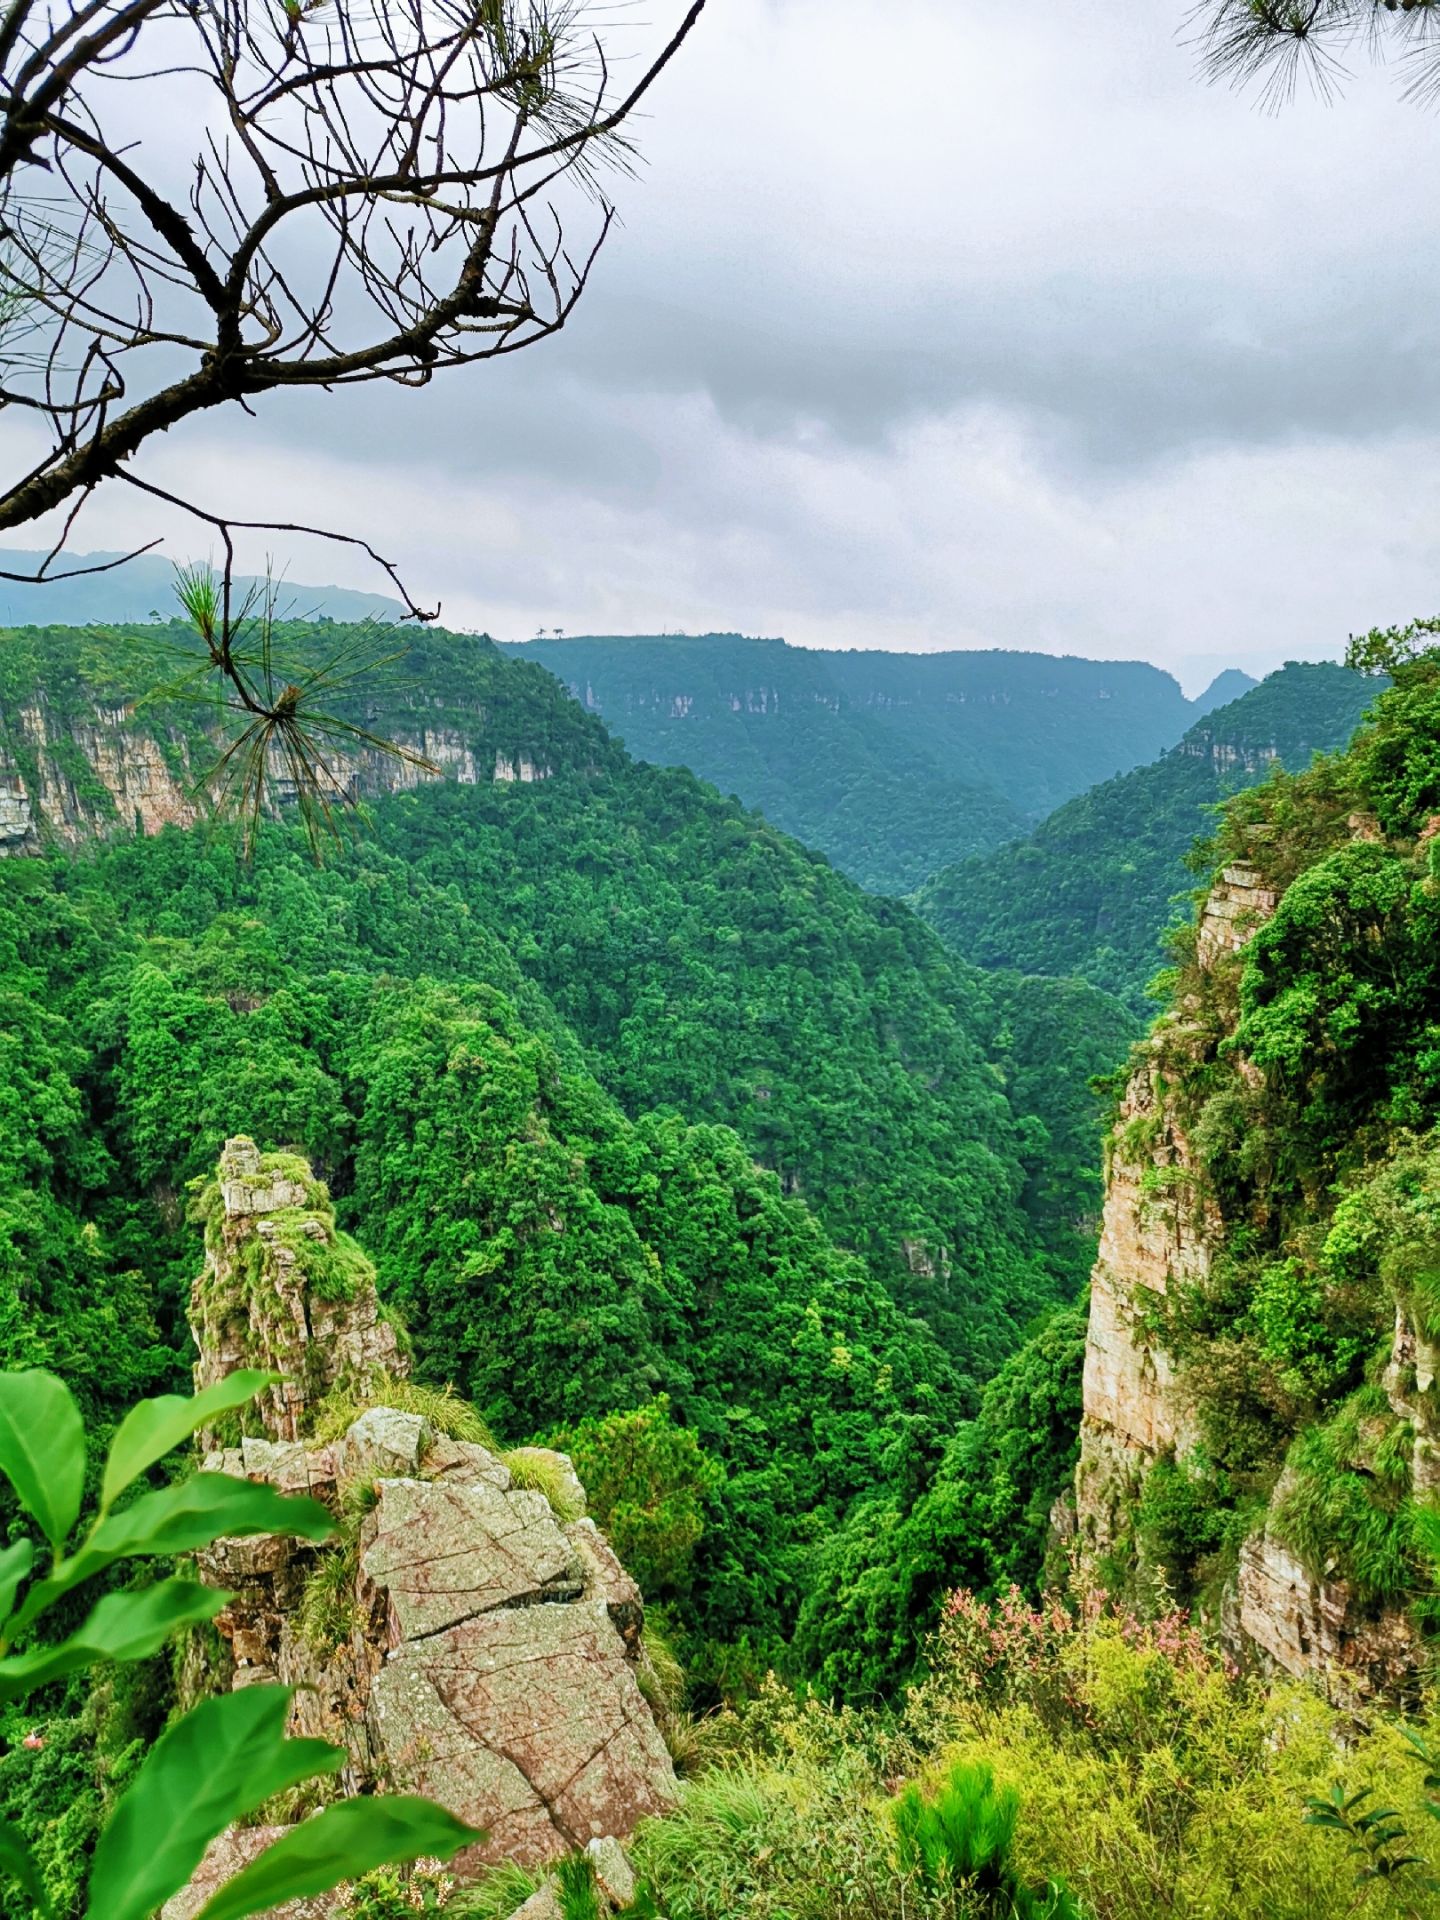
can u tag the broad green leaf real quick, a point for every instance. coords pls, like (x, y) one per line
(345, 1840)
(15, 1562)
(180, 1519)
(212, 1768)
(42, 1449)
(17, 1863)
(155, 1427)
(122, 1626)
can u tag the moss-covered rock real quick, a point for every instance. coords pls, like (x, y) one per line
(283, 1288)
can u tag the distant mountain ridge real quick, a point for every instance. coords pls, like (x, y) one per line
(891, 764)
(1090, 891)
(145, 586)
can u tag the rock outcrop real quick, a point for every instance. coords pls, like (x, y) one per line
(1154, 1233)
(1161, 1232)
(284, 1289)
(1236, 905)
(461, 1638)
(1313, 1628)
(66, 778)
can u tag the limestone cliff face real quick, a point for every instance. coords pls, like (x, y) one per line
(115, 770)
(1161, 1232)
(464, 1637)
(1153, 1234)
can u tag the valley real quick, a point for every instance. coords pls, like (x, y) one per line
(773, 1254)
(891, 764)
(658, 1133)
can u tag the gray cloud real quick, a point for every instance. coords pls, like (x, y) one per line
(976, 326)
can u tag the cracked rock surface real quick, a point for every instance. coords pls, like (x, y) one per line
(491, 1659)
(528, 1722)
(443, 1553)
(472, 1645)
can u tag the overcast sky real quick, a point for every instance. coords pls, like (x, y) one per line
(933, 324)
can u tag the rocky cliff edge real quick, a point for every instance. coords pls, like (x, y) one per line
(465, 1636)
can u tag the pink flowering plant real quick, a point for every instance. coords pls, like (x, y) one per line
(1093, 1666)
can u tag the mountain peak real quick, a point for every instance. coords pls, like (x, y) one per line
(1224, 688)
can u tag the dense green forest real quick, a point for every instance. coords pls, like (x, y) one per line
(708, 965)
(1091, 891)
(892, 764)
(537, 1036)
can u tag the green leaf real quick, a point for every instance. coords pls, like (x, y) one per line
(15, 1563)
(156, 1427)
(180, 1519)
(340, 1843)
(18, 1863)
(122, 1626)
(210, 1769)
(42, 1449)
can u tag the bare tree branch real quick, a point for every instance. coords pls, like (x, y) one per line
(378, 190)
(360, 203)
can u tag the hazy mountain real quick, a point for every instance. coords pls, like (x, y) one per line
(145, 587)
(892, 764)
(1091, 890)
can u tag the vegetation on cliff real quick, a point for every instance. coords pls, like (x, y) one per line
(1301, 1067)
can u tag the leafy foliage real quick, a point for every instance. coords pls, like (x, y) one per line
(648, 1483)
(226, 1756)
(984, 1519)
(962, 1837)
(1137, 1766)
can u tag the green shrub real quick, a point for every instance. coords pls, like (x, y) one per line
(329, 1609)
(1182, 1516)
(1345, 1507)
(961, 1838)
(648, 1481)
(387, 1894)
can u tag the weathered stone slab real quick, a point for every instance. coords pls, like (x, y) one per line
(1314, 1629)
(607, 1580)
(463, 1460)
(442, 1551)
(527, 1722)
(383, 1444)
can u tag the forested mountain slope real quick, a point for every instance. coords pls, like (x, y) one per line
(536, 1030)
(707, 963)
(553, 1259)
(1260, 1413)
(893, 764)
(1090, 892)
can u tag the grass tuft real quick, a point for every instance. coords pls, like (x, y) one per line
(538, 1475)
(441, 1406)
